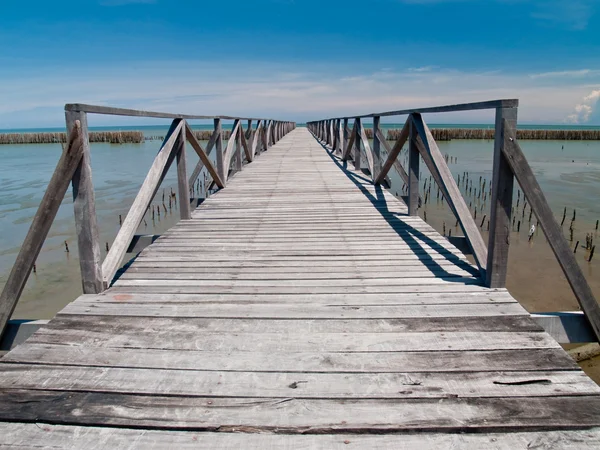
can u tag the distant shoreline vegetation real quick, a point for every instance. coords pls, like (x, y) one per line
(110, 137)
(439, 134)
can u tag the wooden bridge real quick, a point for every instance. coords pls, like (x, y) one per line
(301, 306)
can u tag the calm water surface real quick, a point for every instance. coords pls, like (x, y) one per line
(568, 172)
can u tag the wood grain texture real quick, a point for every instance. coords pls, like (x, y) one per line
(221, 168)
(393, 153)
(84, 208)
(182, 179)
(534, 194)
(414, 159)
(271, 318)
(204, 157)
(41, 223)
(147, 191)
(439, 169)
(501, 204)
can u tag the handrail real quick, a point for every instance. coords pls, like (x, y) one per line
(74, 167)
(534, 195)
(491, 104)
(41, 223)
(109, 110)
(509, 163)
(150, 186)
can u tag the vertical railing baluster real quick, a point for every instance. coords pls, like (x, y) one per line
(500, 206)
(413, 173)
(376, 148)
(238, 148)
(346, 137)
(357, 152)
(84, 205)
(219, 150)
(182, 179)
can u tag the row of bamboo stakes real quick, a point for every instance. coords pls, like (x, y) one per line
(477, 193)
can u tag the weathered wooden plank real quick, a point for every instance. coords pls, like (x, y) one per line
(192, 339)
(399, 385)
(271, 296)
(278, 269)
(534, 194)
(147, 191)
(376, 148)
(177, 273)
(393, 153)
(350, 144)
(40, 225)
(247, 151)
(438, 167)
(369, 362)
(413, 172)
(84, 206)
(229, 150)
(20, 435)
(501, 204)
(433, 298)
(367, 147)
(491, 104)
(182, 179)
(291, 415)
(275, 311)
(204, 157)
(219, 157)
(317, 290)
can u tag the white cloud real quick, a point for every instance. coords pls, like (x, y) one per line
(584, 110)
(275, 90)
(566, 74)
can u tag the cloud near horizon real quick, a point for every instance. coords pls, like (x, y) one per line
(584, 111)
(286, 91)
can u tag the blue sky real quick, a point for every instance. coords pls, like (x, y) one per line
(299, 59)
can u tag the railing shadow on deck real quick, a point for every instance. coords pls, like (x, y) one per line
(509, 164)
(74, 168)
(410, 234)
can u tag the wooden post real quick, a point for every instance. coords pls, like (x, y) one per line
(345, 136)
(376, 149)
(413, 172)
(331, 134)
(219, 150)
(501, 204)
(40, 225)
(84, 205)
(358, 126)
(238, 149)
(182, 179)
(249, 130)
(559, 245)
(340, 132)
(269, 130)
(153, 180)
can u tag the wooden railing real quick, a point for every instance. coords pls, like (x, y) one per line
(74, 167)
(509, 163)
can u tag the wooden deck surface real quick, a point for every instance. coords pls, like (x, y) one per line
(299, 308)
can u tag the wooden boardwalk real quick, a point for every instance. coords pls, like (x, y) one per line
(300, 307)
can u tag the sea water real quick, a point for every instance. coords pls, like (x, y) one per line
(568, 172)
